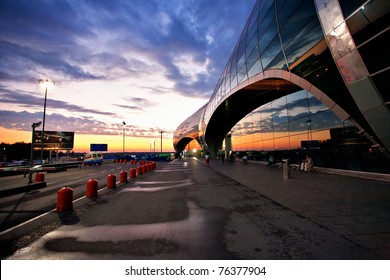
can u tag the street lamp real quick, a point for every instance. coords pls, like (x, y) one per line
(33, 126)
(161, 132)
(154, 145)
(308, 129)
(124, 124)
(44, 84)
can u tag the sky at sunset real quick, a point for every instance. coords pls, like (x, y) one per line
(148, 63)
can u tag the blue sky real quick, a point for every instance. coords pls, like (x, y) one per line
(149, 63)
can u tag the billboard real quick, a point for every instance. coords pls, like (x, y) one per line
(98, 148)
(54, 140)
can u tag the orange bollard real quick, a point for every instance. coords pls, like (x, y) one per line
(132, 173)
(123, 176)
(139, 170)
(40, 177)
(65, 200)
(92, 187)
(111, 181)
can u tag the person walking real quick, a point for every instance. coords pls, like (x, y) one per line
(207, 156)
(222, 157)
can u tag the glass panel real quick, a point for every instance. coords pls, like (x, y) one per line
(282, 143)
(280, 117)
(268, 145)
(286, 9)
(266, 38)
(278, 62)
(296, 97)
(302, 16)
(252, 46)
(271, 52)
(266, 15)
(241, 62)
(295, 140)
(303, 41)
(298, 126)
(315, 105)
(252, 58)
(256, 68)
(252, 34)
(266, 111)
(242, 74)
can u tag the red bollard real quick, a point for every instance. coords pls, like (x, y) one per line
(139, 170)
(65, 200)
(123, 176)
(111, 181)
(40, 177)
(92, 187)
(144, 169)
(125, 161)
(132, 173)
(154, 165)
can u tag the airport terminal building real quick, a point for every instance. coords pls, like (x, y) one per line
(306, 76)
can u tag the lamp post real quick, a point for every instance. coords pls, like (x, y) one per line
(124, 125)
(33, 126)
(154, 145)
(44, 84)
(161, 132)
(308, 129)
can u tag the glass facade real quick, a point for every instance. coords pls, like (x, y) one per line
(299, 75)
(296, 124)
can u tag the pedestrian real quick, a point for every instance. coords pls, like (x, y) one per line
(307, 164)
(207, 156)
(231, 157)
(222, 157)
(271, 161)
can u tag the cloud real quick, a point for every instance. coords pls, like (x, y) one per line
(102, 51)
(26, 100)
(22, 121)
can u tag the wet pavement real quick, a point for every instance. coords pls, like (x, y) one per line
(185, 210)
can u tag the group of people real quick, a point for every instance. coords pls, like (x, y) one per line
(306, 165)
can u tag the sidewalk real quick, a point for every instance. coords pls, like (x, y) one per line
(356, 209)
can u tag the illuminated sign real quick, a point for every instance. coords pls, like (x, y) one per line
(54, 140)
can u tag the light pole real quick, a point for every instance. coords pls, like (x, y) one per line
(124, 125)
(154, 146)
(308, 129)
(161, 132)
(33, 126)
(44, 84)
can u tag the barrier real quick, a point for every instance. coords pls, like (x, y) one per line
(139, 170)
(123, 176)
(133, 173)
(111, 181)
(40, 177)
(92, 188)
(286, 169)
(65, 200)
(143, 169)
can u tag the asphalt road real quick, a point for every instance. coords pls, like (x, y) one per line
(17, 208)
(181, 210)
